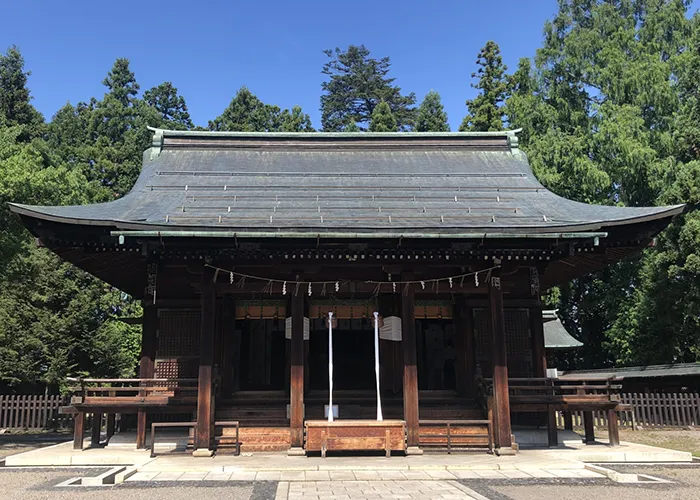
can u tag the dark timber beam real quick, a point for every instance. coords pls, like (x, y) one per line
(502, 431)
(205, 403)
(149, 342)
(78, 430)
(296, 398)
(410, 369)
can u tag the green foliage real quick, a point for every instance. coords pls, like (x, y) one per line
(247, 113)
(356, 84)
(610, 116)
(431, 115)
(485, 111)
(352, 127)
(382, 119)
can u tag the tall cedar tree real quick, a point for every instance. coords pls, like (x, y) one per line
(170, 107)
(15, 106)
(357, 83)
(607, 111)
(485, 111)
(431, 115)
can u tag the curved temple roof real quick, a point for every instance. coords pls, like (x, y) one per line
(447, 184)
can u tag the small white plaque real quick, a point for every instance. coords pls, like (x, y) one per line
(325, 411)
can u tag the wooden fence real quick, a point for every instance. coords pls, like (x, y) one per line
(649, 410)
(32, 412)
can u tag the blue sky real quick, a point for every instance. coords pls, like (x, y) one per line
(210, 49)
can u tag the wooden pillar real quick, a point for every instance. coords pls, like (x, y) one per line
(96, 429)
(109, 426)
(465, 361)
(205, 406)
(502, 432)
(588, 431)
(539, 358)
(568, 421)
(552, 432)
(78, 430)
(613, 428)
(149, 343)
(410, 368)
(296, 392)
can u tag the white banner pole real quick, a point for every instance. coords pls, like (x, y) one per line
(330, 366)
(376, 364)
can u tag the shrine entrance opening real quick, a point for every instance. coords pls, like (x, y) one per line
(353, 355)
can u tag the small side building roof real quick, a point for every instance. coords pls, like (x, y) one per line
(634, 372)
(555, 334)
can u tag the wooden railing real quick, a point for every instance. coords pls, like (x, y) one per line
(132, 392)
(32, 411)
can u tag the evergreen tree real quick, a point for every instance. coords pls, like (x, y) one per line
(295, 121)
(352, 127)
(171, 107)
(383, 119)
(431, 115)
(247, 113)
(485, 111)
(15, 106)
(357, 84)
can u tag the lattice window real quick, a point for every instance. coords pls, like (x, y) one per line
(178, 332)
(177, 368)
(518, 343)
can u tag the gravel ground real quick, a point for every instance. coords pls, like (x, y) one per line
(40, 484)
(11, 444)
(686, 486)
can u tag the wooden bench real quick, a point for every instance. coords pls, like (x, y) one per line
(355, 435)
(193, 425)
(454, 433)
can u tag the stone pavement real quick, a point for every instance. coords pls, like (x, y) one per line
(375, 490)
(363, 476)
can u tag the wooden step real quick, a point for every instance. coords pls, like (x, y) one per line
(259, 438)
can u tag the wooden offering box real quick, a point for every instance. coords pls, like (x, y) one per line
(355, 435)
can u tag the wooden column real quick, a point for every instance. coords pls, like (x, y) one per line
(613, 428)
(149, 343)
(96, 429)
(205, 405)
(296, 392)
(410, 368)
(78, 430)
(465, 362)
(502, 432)
(539, 358)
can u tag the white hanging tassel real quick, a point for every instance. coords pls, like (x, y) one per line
(450, 281)
(330, 366)
(422, 284)
(337, 286)
(284, 288)
(309, 289)
(376, 364)
(393, 286)
(476, 279)
(231, 279)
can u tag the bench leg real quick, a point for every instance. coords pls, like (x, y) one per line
(589, 434)
(78, 430)
(387, 443)
(552, 438)
(613, 428)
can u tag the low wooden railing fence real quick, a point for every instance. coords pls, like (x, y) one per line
(23, 411)
(649, 410)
